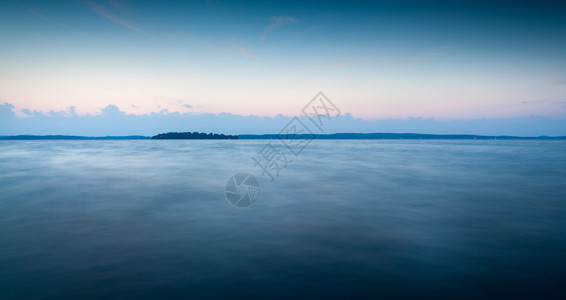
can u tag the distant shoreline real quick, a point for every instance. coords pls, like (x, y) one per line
(334, 136)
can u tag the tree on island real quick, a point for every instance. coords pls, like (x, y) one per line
(193, 136)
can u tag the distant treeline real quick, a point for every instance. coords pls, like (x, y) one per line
(193, 136)
(72, 137)
(397, 136)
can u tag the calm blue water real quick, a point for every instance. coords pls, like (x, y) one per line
(149, 219)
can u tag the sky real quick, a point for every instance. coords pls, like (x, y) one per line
(449, 62)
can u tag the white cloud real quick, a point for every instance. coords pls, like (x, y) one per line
(276, 22)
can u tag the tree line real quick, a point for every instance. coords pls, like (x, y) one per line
(193, 136)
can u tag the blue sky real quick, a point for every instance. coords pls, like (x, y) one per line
(442, 60)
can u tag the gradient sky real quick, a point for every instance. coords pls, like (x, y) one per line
(447, 60)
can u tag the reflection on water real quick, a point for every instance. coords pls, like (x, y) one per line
(149, 219)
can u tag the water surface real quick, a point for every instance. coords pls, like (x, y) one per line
(357, 218)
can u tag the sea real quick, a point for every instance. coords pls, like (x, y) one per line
(393, 219)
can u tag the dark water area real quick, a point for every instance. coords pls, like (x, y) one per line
(147, 219)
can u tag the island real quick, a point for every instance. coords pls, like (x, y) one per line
(193, 136)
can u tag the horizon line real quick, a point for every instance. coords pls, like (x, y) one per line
(329, 136)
